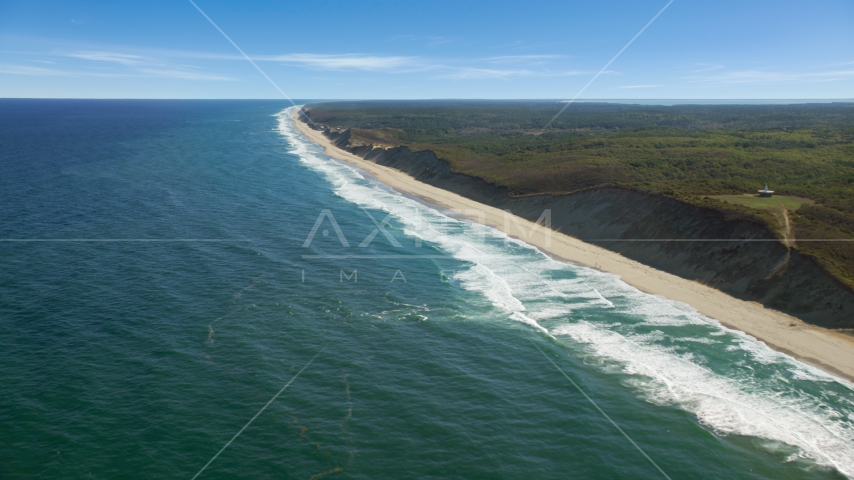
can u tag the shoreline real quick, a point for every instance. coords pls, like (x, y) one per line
(828, 350)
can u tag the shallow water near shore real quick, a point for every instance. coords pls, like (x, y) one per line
(130, 359)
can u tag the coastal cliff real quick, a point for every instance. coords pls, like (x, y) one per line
(690, 241)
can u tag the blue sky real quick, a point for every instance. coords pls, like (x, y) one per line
(723, 49)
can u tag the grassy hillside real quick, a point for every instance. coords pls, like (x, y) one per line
(700, 154)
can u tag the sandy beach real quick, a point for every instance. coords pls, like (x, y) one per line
(828, 350)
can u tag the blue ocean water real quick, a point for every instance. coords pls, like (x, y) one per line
(163, 279)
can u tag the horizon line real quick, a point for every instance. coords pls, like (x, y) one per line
(555, 99)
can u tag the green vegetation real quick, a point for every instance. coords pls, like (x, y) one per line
(777, 202)
(705, 155)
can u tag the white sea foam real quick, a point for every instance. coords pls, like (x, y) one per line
(720, 403)
(645, 336)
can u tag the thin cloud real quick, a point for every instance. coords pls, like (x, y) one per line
(765, 77)
(183, 74)
(641, 86)
(346, 61)
(535, 59)
(27, 70)
(31, 71)
(518, 45)
(400, 64)
(708, 68)
(485, 73)
(126, 66)
(477, 73)
(120, 58)
(175, 64)
(146, 66)
(428, 40)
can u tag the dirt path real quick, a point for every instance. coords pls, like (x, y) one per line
(787, 229)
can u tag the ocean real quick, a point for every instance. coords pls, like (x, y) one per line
(170, 266)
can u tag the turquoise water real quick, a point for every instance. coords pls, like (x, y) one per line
(140, 358)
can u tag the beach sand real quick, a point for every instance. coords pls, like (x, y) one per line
(829, 350)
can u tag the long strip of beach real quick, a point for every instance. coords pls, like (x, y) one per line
(829, 350)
